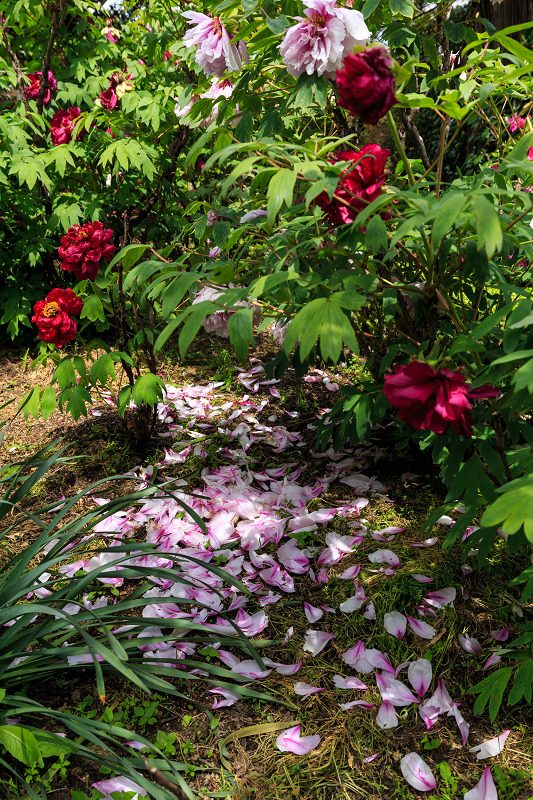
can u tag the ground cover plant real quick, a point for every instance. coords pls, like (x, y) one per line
(244, 168)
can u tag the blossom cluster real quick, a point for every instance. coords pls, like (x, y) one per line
(83, 247)
(215, 52)
(63, 124)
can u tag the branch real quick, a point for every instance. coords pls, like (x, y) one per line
(413, 130)
(16, 67)
(56, 25)
(162, 780)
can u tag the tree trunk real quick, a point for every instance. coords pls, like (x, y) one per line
(507, 13)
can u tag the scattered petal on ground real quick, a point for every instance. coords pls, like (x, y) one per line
(417, 773)
(290, 741)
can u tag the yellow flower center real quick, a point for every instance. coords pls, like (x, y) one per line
(51, 310)
(318, 21)
(217, 27)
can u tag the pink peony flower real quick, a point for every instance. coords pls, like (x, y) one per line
(62, 125)
(516, 123)
(83, 247)
(427, 399)
(359, 184)
(215, 53)
(321, 39)
(367, 84)
(218, 90)
(53, 316)
(32, 91)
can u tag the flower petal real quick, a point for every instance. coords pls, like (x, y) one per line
(417, 773)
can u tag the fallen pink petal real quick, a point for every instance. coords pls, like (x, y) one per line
(417, 773)
(485, 789)
(470, 644)
(420, 628)
(395, 623)
(491, 747)
(315, 641)
(290, 741)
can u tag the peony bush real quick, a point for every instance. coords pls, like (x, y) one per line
(298, 164)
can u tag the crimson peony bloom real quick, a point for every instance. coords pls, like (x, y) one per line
(83, 247)
(62, 125)
(109, 99)
(428, 399)
(367, 84)
(32, 90)
(359, 185)
(53, 316)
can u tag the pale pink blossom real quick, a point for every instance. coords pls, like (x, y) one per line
(421, 629)
(312, 613)
(229, 698)
(442, 597)
(290, 741)
(214, 51)
(384, 557)
(490, 662)
(315, 641)
(356, 704)
(351, 682)
(320, 40)
(419, 675)
(370, 612)
(470, 644)
(492, 747)
(484, 790)
(417, 773)
(306, 689)
(395, 623)
(119, 784)
(395, 691)
(386, 717)
(501, 635)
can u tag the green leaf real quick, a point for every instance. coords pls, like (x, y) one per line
(454, 31)
(448, 210)
(147, 390)
(369, 7)
(50, 744)
(221, 232)
(93, 309)
(241, 331)
(376, 234)
(321, 320)
(522, 684)
(489, 231)
(512, 511)
(491, 691)
(103, 370)
(278, 25)
(48, 402)
(176, 291)
(245, 128)
(280, 191)
(21, 744)
(402, 8)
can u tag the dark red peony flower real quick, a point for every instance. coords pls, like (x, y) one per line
(32, 90)
(436, 400)
(359, 184)
(367, 84)
(53, 316)
(83, 247)
(109, 99)
(62, 125)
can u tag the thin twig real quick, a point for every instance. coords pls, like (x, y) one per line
(162, 780)
(16, 67)
(56, 25)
